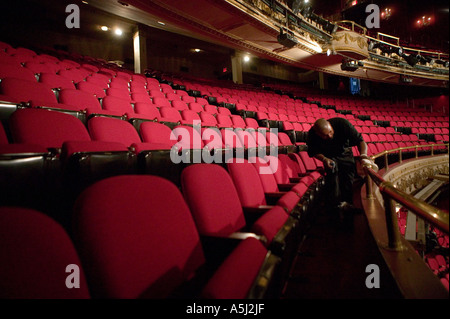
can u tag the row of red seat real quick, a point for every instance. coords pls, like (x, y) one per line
(207, 189)
(437, 262)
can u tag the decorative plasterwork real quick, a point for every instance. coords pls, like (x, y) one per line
(415, 174)
(351, 44)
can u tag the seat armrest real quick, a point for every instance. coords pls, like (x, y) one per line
(253, 213)
(217, 248)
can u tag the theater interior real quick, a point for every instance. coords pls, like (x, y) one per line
(157, 149)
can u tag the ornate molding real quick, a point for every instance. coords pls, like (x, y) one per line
(415, 174)
(351, 44)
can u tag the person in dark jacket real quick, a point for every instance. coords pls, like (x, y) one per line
(331, 142)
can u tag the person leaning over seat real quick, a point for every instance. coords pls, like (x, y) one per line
(331, 142)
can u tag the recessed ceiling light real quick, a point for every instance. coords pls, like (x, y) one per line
(118, 31)
(197, 50)
(104, 28)
(161, 23)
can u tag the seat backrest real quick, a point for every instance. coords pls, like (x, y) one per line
(122, 93)
(108, 129)
(147, 220)
(284, 139)
(38, 259)
(16, 71)
(213, 199)
(141, 97)
(260, 138)
(187, 137)
(180, 105)
(161, 102)
(73, 74)
(25, 91)
(212, 109)
(230, 139)
(265, 173)
(247, 183)
(56, 81)
(251, 123)
(224, 120)
(194, 106)
(169, 114)
(238, 121)
(99, 79)
(246, 138)
(147, 109)
(189, 115)
(272, 138)
(212, 138)
(80, 99)
(46, 128)
(308, 161)
(92, 88)
(280, 168)
(208, 119)
(117, 104)
(152, 132)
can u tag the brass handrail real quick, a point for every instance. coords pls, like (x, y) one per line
(400, 149)
(391, 194)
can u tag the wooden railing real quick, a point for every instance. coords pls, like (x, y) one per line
(413, 277)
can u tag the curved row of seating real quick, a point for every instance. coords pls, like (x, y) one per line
(149, 184)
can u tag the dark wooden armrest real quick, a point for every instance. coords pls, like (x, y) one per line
(286, 187)
(273, 197)
(217, 248)
(253, 213)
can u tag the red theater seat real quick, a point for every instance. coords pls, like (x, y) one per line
(161, 253)
(38, 258)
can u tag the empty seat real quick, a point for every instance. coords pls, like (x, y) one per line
(224, 120)
(23, 171)
(91, 88)
(28, 91)
(80, 100)
(213, 198)
(116, 106)
(191, 117)
(208, 119)
(83, 160)
(196, 107)
(73, 74)
(47, 128)
(148, 110)
(38, 259)
(180, 105)
(122, 93)
(238, 121)
(56, 81)
(160, 142)
(16, 71)
(161, 253)
(171, 115)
